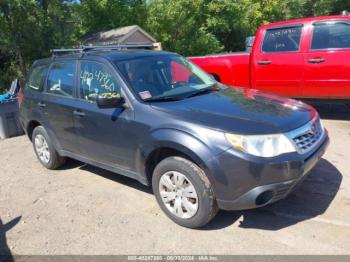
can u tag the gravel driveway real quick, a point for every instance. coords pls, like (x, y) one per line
(81, 209)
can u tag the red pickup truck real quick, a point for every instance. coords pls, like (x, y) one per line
(303, 58)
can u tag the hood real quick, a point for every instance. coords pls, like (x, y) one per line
(241, 111)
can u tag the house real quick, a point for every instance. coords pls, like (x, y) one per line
(120, 36)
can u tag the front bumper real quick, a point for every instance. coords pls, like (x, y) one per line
(246, 183)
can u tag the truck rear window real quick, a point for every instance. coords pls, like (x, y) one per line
(282, 39)
(334, 35)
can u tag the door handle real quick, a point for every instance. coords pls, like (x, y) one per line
(78, 113)
(316, 60)
(41, 104)
(264, 62)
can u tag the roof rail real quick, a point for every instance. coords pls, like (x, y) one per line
(83, 49)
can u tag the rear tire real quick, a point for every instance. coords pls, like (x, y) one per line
(44, 149)
(184, 192)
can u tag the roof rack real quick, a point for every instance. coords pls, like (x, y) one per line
(84, 49)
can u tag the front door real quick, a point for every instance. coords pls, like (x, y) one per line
(105, 135)
(327, 62)
(277, 64)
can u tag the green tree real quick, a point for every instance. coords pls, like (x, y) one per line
(232, 21)
(306, 8)
(29, 29)
(97, 15)
(181, 26)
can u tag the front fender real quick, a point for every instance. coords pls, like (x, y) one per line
(178, 140)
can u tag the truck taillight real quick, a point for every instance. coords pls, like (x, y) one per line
(19, 93)
(20, 97)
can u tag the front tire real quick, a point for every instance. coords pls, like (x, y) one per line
(184, 192)
(44, 149)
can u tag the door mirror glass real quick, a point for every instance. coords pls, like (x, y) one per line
(110, 100)
(249, 43)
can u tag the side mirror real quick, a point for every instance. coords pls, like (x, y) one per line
(249, 41)
(110, 100)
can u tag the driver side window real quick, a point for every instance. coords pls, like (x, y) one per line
(94, 80)
(282, 39)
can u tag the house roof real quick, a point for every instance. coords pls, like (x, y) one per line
(116, 36)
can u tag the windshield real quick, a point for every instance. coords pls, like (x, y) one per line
(164, 77)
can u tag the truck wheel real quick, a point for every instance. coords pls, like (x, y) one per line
(45, 150)
(184, 192)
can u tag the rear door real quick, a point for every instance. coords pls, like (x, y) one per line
(59, 102)
(277, 64)
(33, 92)
(327, 61)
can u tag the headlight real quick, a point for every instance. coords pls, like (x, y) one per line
(261, 145)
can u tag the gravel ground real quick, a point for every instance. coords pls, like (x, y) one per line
(81, 209)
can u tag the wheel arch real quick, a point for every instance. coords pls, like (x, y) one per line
(173, 143)
(32, 124)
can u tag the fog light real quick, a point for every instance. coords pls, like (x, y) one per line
(264, 198)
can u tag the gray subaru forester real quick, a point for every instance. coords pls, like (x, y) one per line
(155, 117)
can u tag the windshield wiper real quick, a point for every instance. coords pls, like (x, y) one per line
(162, 99)
(203, 91)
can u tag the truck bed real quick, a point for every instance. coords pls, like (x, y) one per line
(229, 68)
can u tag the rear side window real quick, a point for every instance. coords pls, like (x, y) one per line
(61, 79)
(37, 77)
(95, 79)
(336, 35)
(282, 39)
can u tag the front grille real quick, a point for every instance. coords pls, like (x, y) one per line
(308, 136)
